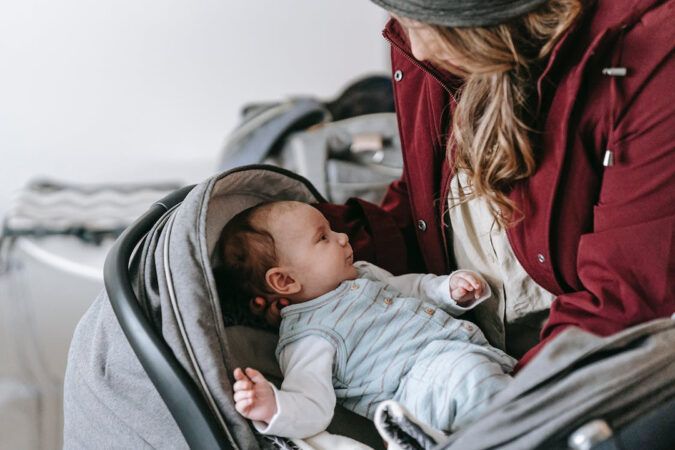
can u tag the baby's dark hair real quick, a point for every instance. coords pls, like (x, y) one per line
(248, 250)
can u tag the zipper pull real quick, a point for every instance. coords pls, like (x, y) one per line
(615, 71)
(608, 160)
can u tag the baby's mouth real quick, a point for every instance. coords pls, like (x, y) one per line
(350, 258)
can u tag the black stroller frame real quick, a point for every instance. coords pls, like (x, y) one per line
(187, 405)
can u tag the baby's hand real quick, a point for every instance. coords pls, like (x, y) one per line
(465, 287)
(253, 396)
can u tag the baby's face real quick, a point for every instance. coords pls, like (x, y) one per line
(316, 256)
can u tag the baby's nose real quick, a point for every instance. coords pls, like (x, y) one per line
(343, 238)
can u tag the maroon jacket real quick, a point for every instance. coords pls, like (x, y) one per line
(600, 238)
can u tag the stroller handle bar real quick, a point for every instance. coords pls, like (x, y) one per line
(185, 402)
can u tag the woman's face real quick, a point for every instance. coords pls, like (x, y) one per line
(427, 45)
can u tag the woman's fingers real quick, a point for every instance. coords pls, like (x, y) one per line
(258, 305)
(273, 315)
(269, 309)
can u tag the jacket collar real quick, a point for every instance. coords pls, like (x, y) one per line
(607, 18)
(396, 35)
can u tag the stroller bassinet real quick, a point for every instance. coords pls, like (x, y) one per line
(165, 297)
(150, 365)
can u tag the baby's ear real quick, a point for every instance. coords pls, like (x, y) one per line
(281, 282)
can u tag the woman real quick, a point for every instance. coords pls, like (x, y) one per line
(538, 140)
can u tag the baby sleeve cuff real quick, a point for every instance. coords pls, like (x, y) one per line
(272, 426)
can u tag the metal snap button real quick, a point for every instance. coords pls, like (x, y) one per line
(355, 286)
(541, 258)
(429, 311)
(398, 75)
(421, 225)
(388, 301)
(468, 327)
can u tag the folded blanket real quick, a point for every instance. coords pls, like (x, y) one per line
(88, 211)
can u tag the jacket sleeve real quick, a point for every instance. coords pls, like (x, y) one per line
(627, 264)
(397, 203)
(383, 235)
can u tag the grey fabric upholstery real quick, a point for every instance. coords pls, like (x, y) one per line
(576, 378)
(109, 402)
(108, 399)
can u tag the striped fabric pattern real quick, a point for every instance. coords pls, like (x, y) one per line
(47, 208)
(393, 347)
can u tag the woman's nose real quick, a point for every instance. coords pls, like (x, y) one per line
(418, 45)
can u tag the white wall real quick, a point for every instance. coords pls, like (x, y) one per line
(95, 90)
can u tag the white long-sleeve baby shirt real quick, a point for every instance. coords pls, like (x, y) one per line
(307, 398)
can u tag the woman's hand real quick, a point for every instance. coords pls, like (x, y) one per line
(269, 309)
(253, 395)
(465, 287)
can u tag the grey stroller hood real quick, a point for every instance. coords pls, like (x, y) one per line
(108, 398)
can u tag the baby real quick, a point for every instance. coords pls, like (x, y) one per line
(354, 332)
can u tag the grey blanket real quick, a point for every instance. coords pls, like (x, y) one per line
(577, 378)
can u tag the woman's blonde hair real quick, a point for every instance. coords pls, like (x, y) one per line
(492, 126)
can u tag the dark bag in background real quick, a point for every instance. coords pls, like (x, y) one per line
(347, 147)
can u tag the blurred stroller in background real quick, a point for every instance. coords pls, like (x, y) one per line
(346, 147)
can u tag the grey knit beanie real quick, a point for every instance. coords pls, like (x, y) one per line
(460, 13)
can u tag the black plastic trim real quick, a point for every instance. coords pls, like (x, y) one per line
(653, 431)
(186, 404)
